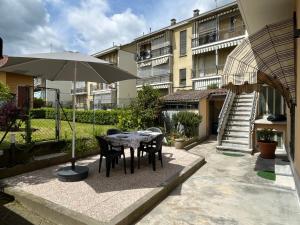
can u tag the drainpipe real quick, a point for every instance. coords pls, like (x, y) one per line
(292, 141)
(1, 48)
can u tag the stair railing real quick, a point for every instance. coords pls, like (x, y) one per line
(223, 116)
(252, 118)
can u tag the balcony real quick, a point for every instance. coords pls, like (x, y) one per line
(207, 71)
(145, 55)
(153, 80)
(217, 35)
(80, 91)
(209, 82)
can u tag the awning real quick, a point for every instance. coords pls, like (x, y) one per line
(266, 56)
(160, 61)
(143, 64)
(214, 46)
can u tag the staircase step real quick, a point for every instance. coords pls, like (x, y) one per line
(246, 101)
(238, 117)
(239, 113)
(242, 128)
(242, 123)
(243, 104)
(242, 108)
(235, 141)
(249, 97)
(230, 133)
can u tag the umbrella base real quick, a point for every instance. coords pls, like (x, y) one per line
(67, 174)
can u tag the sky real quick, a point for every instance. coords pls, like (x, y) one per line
(87, 26)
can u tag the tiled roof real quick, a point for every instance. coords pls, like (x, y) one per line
(192, 95)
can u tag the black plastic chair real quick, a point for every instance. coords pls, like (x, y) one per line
(113, 131)
(110, 155)
(153, 147)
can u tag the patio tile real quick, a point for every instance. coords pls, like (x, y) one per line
(100, 197)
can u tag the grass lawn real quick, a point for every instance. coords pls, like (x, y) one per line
(45, 130)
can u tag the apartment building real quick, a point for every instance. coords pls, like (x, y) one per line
(120, 93)
(154, 60)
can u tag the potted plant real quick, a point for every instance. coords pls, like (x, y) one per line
(186, 126)
(267, 145)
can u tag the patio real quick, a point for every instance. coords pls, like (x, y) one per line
(99, 197)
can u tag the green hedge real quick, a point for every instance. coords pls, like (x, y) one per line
(102, 117)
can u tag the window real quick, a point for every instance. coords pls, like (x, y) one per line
(183, 42)
(182, 77)
(232, 23)
(270, 102)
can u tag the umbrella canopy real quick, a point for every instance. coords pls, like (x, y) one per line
(67, 66)
(60, 66)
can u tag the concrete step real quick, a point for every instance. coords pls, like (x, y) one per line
(242, 104)
(49, 156)
(244, 101)
(243, 128)
(250, 97)
(242, 108)
(230, 133)
(238, 117)
(239, 113)
(235, 141)
(232, 148)
(232, 122)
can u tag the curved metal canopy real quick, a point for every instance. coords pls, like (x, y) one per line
(266, 56)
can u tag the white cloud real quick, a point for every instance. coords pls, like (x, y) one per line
(28, 29)
(96, 29)
(84, 25)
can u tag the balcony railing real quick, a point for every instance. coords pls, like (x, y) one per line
(79, 90)
(230, 33)
(210, 82)
(217, 35)
(144, 55)
(153, 80)
(207, 71)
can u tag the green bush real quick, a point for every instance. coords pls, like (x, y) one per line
(38, 103)
(126, 120)
(189, 120)
(102, 117)
(146, 108)
(38, 113)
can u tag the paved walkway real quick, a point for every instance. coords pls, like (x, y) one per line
(228, 191)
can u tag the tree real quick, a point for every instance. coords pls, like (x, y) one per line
(147, 107)
(5, 94)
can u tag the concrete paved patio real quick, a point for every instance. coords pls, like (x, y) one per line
(99, 197)
(227, 191)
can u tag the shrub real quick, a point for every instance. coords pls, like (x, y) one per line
(127, 121)
(189, 120)
(4, 93)
(38, 103)
(102, 117)
(146, 107)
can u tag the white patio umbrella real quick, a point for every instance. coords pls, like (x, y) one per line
(67, 66)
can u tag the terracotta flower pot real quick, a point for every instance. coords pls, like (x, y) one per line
(267, 149)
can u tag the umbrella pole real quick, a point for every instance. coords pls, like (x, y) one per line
(74, 118)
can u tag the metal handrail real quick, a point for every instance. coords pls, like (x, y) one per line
(223, 116)
(252, 118)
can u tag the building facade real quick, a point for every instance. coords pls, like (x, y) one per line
(120, 93)
(154, 60)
